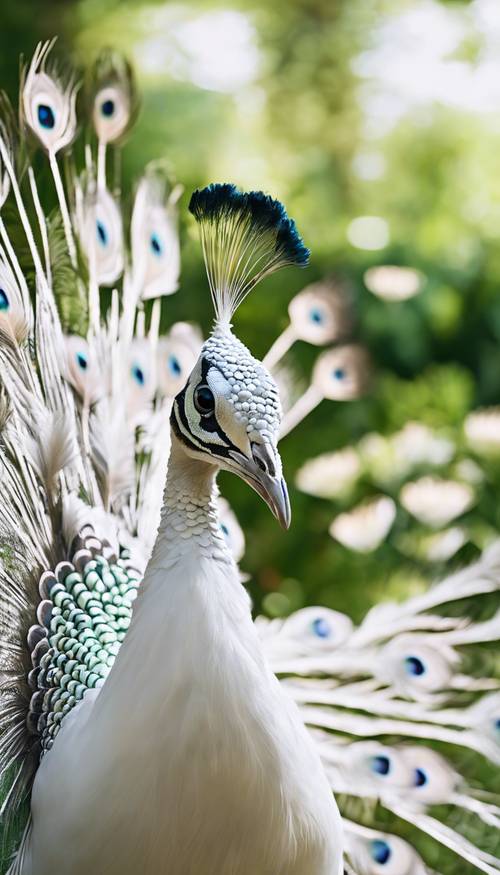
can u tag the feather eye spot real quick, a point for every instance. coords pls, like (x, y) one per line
(4, 301)
(138, 375)
(420, 778)
(81, 360)
(108, 108)
(414, 666)
(156, 246)
(339, 374)
(321, 627)
(316, 316)
(174, 366)
(224, 529)
(102, 234)
(380, 851)
(46, 116)
(381, 765)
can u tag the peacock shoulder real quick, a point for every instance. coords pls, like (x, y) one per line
(82, 618)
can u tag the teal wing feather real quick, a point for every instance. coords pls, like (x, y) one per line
(83, 615)
(84, 609)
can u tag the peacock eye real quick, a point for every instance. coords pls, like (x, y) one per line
(102, 235)
(108, 108)
(420, 778)
(380, 851)
(174, 366)
(204, 400)
(316, 316)
(156, 246)
(138, 375)
(81, 359)
(4, 301)
(321, 627)
(381, 765)
(46, 116)
(414, 666)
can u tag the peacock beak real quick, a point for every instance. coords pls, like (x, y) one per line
(263, 473)
(275, 493)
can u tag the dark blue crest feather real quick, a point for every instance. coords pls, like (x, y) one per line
(221, 201)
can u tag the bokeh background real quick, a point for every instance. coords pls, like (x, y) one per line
(378, 125)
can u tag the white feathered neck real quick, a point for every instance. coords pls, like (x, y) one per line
(187, 760)
(189, 518)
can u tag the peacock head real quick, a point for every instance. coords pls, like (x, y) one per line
(229, 412)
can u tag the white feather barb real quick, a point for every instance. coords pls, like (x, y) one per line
(51, 448)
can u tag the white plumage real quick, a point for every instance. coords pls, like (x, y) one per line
(226, 779)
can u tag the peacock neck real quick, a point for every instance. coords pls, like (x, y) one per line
(189, 518)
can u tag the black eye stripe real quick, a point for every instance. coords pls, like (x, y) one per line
(208, 422)
(179, 426)
(182, 430)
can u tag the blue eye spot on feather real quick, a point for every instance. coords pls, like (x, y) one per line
(414, 666)
(380, 851)
(156, 246)
(339, 373)
(316, 316)
(381, 765)
(174, 366)
(108, 108)
(4, 301)
(224, 529)
(46, 116)
(102, 234)
(496, 724)
(138, 375)
(321, 628)
(81, 359)
(420, 778)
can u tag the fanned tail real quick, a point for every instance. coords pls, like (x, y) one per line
(396, 705)
(81, 417)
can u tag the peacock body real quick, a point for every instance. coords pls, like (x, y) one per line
(220, 785)
(141, 714)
